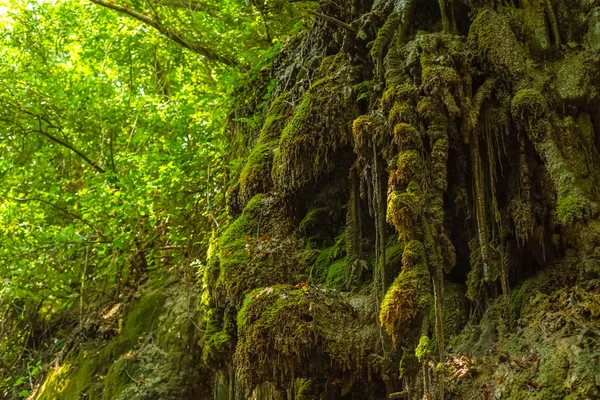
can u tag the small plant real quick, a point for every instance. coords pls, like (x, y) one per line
(32, 371)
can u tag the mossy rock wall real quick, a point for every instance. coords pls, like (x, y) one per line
(154, 355)
(467, 130)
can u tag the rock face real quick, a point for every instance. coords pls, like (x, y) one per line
(416, 216)
(441, 159)
(154, 356)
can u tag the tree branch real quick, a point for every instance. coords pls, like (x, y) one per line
(171, 34)
(192, 5)
(333, 20)
(62, 142)
(64, 211)
(73, 149)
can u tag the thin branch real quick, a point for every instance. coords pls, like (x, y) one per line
(73, 149)
(112, 151)
(171, 34)
(64, 211)
(333, 20)
(60, 141)
(192, 5)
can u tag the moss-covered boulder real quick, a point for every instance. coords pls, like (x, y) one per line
(288, 332)
(154, 356)
(320, 127)
(258, 249)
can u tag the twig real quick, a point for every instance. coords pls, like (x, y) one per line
(133, 379)
(60, 141)
(333, 20)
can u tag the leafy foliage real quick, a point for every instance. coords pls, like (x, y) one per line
(112, 157)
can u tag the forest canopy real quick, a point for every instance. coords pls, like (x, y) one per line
(111, 144)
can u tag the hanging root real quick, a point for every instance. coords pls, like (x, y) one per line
(553, 21)
(383, 40)
(479, 99)
(445, 19)
(480, 212)
(407, 16)
(354, 232)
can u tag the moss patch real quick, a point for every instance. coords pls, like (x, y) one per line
(257, 249)
(74, 379)
(154, 356)
(287, 333)
(255, 176)
(409, 294)
(493, 40)
(319, 128)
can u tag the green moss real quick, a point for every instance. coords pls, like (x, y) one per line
(435, 76)
(409, 164)
(407, 137)
(552, 375)
(308, 257)
(536, 30)
(455, 309)
(543, 282)
(401, 113)
(397, 95)
(409, 294)
(337, 275)
(398, 307)
(363, 129)
(74, 379)
(311, 328)
(528, 105)
(385, 34)
(572, 204)
(592, 38)
(319, 127)
(154, 356)
(576, 77)
(257, 249)
(572, 207)
(548, 376)
(576, 140)
(325, 258)
(218, 340)
(438, 160)
(255, 176)
(117, 378)
(141, 319)
(496, 45)
(424, 349)
(475, 275)
(278, 114)
(82, 376)
(328, 258)
(413, 253)
(404, 209)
